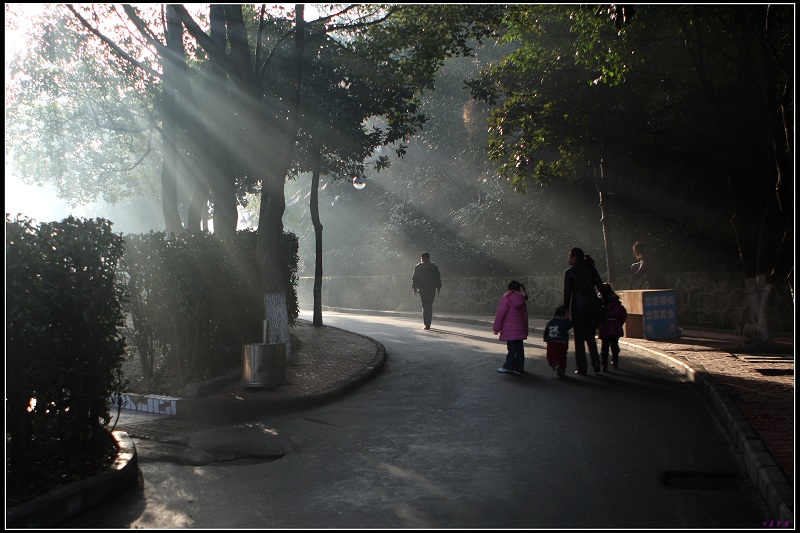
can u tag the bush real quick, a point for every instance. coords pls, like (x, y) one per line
(194, 300)
(64, 347)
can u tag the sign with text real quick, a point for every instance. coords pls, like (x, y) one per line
(660, 314)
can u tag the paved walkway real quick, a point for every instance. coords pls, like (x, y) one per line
(750, 391)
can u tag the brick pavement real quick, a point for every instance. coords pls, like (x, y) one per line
(314, 369)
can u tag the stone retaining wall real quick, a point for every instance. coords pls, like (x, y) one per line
(706, 300)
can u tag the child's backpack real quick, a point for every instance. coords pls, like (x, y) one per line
(620, 312)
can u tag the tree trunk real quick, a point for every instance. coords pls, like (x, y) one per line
(314, 205)
(747, 222)
(270, 255)
(198, 209)
(781, 126)
(596, 162)
(210, 171)
(226, 216)
(270, 250)
(611, 273)
(169, 135)
(223, 177)
(270, 143)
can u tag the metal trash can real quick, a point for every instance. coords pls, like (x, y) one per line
(264, 365)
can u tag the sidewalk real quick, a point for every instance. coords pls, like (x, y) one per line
(752, 395)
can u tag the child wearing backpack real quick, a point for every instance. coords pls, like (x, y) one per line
(556, 335)
(610, 329)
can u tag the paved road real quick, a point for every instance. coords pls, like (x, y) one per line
(441, 440)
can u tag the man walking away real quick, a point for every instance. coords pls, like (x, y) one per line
(428, 283)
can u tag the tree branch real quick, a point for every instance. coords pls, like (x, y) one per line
(114, 47)
(208, 45)
(143, 29)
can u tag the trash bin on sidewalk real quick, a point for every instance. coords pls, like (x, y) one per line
(652, 313)
(264, 365)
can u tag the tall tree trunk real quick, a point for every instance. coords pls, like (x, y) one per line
(169, 132)
(223, 174)
(748, 222)
(780, 106)
(270, 250)
(198, 209)
(271, 148)
(600, 181)
(315, 220)
(210, 171)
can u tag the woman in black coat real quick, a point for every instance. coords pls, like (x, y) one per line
(582, 283)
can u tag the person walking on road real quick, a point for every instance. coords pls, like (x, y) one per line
(581, 285)
(426, 281)
(611, 330)
(556, 337)
(511, 323)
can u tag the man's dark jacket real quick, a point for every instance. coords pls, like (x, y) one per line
(426, 277)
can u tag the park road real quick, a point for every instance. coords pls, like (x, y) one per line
(440, 440)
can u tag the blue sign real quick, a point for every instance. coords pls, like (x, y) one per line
(660, 319)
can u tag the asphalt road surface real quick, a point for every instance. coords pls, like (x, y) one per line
(441, 440)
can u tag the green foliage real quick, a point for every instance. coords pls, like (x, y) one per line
(444, 195)
(80, 120)
(196, 299)
(64, 344)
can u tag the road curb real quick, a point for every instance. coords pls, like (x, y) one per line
(765, 474)
(65, 503)
(219, 411)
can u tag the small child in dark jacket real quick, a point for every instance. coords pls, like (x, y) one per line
(556, 335)
(611, 330)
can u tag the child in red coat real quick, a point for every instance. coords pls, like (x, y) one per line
(511, 323)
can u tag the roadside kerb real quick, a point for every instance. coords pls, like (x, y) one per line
(57, 507)
(763, 471)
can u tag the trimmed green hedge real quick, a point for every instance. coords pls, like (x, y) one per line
(64, 344)
(72, 300)
(195, 300)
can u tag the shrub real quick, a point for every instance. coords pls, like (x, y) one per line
(194, 300)
(64, 347)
